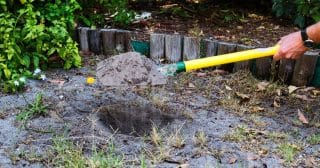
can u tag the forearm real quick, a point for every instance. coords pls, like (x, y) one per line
(313, 32)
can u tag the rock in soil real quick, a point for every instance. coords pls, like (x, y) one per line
(129, 69)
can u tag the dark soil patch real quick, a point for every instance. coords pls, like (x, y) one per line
(225, 23)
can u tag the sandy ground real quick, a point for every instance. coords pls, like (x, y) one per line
(203, 119)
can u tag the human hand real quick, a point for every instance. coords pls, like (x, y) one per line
(291, 47)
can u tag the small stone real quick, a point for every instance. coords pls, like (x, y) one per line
(61, 97)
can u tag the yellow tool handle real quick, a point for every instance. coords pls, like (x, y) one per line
(230, 58)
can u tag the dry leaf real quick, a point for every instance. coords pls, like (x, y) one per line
(301, 97)
(228, 88)
(307, 89)
(276, 102)
(315, 92)
(219, 72)
(257, 109)
(263, 152)
(242, 96)
(310, 162)
(278, 92)
(302, 118)
(57, 82)
(252, 157)
(262, 86)
(191, 85)
(292, 88)
(232, 160)
(201, 74)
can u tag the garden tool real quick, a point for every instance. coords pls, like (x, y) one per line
(172, 69)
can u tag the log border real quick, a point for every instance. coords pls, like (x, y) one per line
(172, 48)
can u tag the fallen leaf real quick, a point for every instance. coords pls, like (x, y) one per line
(302, 118)
(263, 152)
(219, 72)
(232, 160)
(276, 102)
(307, 89)
(262, 86)
(278, 92)
(228, 87)
(201, 74)
(191, 85)
(315, 92)
(252, 15)
(57, 82)
(301, 97)
(310, 162)
(256, 109)
(252, 157)
(292, 88)
(242, 96)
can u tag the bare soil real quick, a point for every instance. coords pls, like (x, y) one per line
(202, 119)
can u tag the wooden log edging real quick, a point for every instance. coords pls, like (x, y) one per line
(304, 69)
(108, 41)
(157, 46)
(191, 48)
(174, 47)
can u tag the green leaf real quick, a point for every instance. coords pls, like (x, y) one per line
(26, 61)
(51, 51)
(36, 61)
(7, 73)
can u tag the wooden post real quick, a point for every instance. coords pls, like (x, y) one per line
(108, 41)
(123, 38)
(304, 69)
(286, 68)
(94, 41)
(224, 48)
(211, 47)
(263, 67)
(243, 65)
(173, 48)
(157, 46)
(191, 48)
(83, 36)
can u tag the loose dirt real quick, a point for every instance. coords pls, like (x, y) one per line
(129, 69)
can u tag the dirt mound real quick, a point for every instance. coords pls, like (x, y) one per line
(129, 69)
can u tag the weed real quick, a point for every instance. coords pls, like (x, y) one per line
(200, 138)
(176, 140)
(156, 136)
(66, 154)
(161, 153)
(143, 163)
(314, 139)
(277, 136)
(33, 109)
(288, 151)
(237, 135)
(110, 159)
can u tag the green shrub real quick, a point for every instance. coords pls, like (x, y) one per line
(105, 12)
(303, 12)
(33, 32)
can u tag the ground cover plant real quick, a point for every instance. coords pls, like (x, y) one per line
(35, 33)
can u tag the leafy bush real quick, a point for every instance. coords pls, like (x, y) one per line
(103, 12)
(303, 12)
(32, 33)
